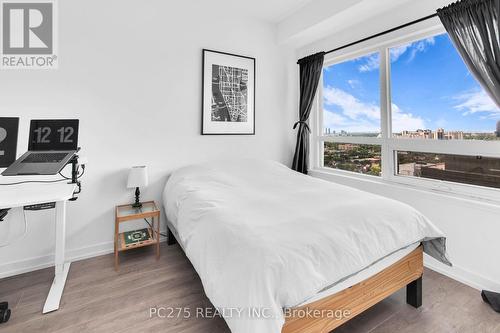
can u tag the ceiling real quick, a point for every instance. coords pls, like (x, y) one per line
(300, 22)
(344, 21)
(272, 11)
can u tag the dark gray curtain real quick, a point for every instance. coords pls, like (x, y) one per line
(310, 73)
(474, 29)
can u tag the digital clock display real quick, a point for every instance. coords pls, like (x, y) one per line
(60, 134)
(8, 140)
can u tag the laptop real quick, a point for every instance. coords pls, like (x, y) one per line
(52, 144)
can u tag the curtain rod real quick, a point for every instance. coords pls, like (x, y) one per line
(383, 33)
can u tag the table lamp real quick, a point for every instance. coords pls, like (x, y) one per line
(137, 177)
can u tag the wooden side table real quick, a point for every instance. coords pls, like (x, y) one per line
(124, 213)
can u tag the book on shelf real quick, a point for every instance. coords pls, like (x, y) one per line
(136, 236)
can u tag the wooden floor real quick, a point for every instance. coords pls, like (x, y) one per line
(97, 299)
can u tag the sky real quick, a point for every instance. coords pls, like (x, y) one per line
(431, 88)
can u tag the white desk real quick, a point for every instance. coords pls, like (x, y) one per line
(35, 193)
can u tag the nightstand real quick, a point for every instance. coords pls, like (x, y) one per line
(124, 213)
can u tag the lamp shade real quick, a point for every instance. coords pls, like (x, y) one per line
(137, 177)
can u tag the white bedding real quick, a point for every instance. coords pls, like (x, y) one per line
(263, 237)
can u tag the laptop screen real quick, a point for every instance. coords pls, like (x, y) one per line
(56, 134)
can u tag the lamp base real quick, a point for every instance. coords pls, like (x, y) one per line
(137, 203)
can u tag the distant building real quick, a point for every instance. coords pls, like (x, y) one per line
(346, 146)
(439, 134)
(406, 169)
(418, 134)
(454, 135)
(482, 171)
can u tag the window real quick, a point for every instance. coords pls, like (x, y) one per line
(476, 170)
(351, 108)
(352, 157)
(435, 97)
(431, 122)
(351, 97)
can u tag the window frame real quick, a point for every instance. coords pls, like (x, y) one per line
(390, 145)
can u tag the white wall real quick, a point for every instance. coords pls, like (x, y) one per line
(472, 227)
(131, 72)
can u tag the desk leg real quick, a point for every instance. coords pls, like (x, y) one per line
(61, 268)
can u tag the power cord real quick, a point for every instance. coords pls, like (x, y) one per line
(47, 181)
(43, 181)
(149, 224)
(24, 233)
(34, 181)
(4, 212)
(79, 175)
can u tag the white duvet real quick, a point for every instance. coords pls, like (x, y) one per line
(263, 237)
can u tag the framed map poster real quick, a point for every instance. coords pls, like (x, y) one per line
(228, 94)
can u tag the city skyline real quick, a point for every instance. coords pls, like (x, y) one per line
(431, 89)
(438, 134)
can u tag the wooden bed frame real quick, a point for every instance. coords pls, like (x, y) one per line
(356, 299)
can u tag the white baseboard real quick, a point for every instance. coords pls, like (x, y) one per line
(36, 263)
(462, 275)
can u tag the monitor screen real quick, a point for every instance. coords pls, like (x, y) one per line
(55, 134)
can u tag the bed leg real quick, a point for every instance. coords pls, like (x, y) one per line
(414, 293)
(170, 237)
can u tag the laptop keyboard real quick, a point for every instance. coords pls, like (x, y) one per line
(44, 158)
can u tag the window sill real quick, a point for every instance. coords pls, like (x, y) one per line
(438, 188)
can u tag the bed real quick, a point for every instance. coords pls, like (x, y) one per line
(272, 245)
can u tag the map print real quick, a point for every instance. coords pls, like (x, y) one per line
(229, 94)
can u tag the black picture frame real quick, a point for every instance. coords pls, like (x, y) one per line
(204, 94)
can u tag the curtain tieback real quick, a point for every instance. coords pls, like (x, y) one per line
(302, 122)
